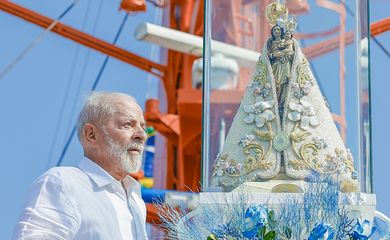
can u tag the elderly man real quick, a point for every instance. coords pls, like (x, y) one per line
(97, 199)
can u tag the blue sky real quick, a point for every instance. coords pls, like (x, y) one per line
(380, 114)
(32, 94)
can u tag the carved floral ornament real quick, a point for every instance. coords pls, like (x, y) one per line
(304, 113)
(260, 113)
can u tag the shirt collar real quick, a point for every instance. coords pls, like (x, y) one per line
(103, 178)
(131, 185)
(95, 172)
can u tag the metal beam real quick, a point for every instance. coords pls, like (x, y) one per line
(87, 40)
(380, 26)
(326, 46)
(84, 39)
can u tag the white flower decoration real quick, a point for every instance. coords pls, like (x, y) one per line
(303, 112)
(245, 141)
(219, 173)
(259, 112)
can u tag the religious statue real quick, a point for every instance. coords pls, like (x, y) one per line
(283, 129)
(281, 53)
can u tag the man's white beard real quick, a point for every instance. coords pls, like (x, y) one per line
(124, 160)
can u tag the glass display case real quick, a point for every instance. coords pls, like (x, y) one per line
(242, 87)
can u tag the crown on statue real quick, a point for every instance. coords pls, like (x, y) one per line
(277, 14)
(276, 11)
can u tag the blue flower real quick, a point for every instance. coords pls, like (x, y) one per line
(322, 231)
(254, 219)
(362, 231)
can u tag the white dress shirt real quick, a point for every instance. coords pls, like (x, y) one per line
(82, 203)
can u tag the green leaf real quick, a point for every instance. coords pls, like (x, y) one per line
(271, 235)
(287, 231)
(212, 237)
(261, 232)
(271, 215)
(271, 220)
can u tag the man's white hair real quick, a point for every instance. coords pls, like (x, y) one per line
(98, 106)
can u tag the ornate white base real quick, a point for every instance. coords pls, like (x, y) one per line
(358, 204)
(272, 186)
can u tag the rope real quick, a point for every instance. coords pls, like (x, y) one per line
(65, 149)
(36, 41)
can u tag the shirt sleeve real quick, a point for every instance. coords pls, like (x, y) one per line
(49, 212)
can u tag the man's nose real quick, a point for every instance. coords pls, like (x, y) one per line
(140, 134)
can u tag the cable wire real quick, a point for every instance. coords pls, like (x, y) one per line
(66, 96)
(383, 48)
(84, 67)
(154, 55)
(97, 80)
(36, 41)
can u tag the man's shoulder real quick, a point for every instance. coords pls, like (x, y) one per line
(62, 171)
(61, 175)
(58, 183)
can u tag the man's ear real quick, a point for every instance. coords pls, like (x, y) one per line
(89, 133)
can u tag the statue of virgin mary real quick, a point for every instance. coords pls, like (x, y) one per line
(283, 128)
